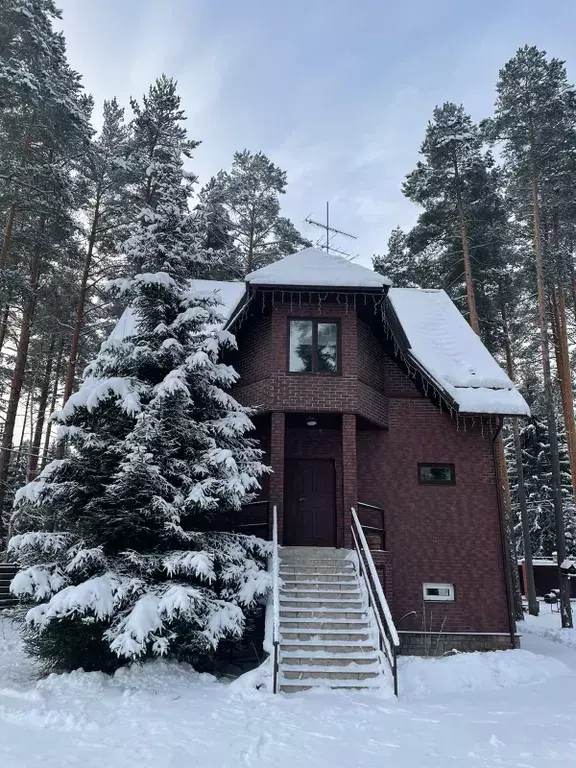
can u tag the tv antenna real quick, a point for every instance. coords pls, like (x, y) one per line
(331, 232)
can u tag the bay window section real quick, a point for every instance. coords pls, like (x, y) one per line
(313, 347)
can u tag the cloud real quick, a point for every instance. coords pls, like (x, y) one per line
(338, 99)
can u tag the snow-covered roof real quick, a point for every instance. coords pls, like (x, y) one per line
(436, 338)
(228, 293)
(313, 268)
(443, 345)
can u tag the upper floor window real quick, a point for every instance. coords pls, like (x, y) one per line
(314, 347)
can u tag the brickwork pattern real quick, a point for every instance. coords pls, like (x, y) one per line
(350, 474)
(429, 644)
(433, 533)
(266, 384)
(439, 534)
(277, 440)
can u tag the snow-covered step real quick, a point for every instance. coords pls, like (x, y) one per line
(314, 579)
(304, 589)
(345, 565)
(337, 565)
(322, 659)
(308, 552)
(290, 635)
(296, 686)
(309, 603)
(321, 614)
(312, 625)
(350, 672)
(316, 574)
(319, 645)
(321, 595)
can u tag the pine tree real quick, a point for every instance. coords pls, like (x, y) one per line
(397, 263)
(445, 185)
(119, 543)
(243, 207)
(102, 194)
(44, 125)
(532, 108)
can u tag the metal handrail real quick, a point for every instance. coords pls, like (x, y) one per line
(389, 640)
(275, 600)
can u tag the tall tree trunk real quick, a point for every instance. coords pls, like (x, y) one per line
(472, 312)
(565, 607)
(6, 240)
(42, 403)
(24, 422)
(564, 376)
(572, 280)
(250, 259)
(502, 469)
(471, 298)
(533, 605)
(4, 326)
(72, 360)
(53, 401)
(20, 361)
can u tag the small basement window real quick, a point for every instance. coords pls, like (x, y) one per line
(439, 593)
(313, 347)
(436, 474)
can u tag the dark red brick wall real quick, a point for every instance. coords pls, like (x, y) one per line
(254, 350)
(371, 360)
(437, 534)
(266, 384)
(314, 392)
(433, 534)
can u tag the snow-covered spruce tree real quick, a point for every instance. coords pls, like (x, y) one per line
(119, 544)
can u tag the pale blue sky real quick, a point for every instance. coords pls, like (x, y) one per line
(337, 92)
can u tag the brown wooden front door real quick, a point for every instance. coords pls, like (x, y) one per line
(309, 503)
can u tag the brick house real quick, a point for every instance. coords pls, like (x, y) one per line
(384, 400)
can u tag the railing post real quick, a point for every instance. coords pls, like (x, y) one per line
(275, 600)
(395, 670)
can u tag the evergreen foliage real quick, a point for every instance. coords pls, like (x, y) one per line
(118, 543)
(245, 230)
(538, 484)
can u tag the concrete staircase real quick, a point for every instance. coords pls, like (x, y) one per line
(327, 635)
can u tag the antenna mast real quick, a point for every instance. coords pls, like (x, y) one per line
(330, 233)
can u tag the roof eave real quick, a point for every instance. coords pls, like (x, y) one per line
(404, 345)
(327, 288)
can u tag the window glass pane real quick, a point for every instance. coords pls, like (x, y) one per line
(300, 345)
(440, 473)
(438, 591)
(374, 540)
(328, 347)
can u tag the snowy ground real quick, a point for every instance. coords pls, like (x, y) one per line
(513, 708)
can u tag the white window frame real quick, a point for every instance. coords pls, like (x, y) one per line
(438, 598)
